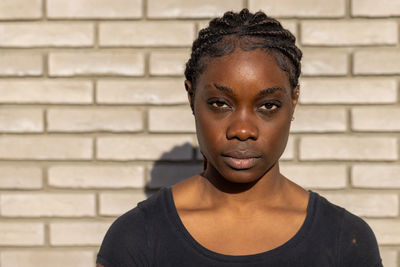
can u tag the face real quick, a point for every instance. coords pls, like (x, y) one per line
(243, 108)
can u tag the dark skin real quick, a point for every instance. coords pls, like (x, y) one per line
(241, 204)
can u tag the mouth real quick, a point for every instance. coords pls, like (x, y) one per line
(241, 164)
(241, 160)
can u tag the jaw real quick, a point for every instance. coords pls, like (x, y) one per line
(235, 181)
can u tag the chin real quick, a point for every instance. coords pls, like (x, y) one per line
(242, 176)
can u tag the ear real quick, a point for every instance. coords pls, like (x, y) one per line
(190, 93)
(295, 97)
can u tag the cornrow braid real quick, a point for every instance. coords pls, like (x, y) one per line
(249, 31)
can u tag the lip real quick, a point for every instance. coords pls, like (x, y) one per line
(241, 159)
(240, 163)
(241, 154)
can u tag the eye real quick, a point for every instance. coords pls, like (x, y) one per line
(269, 107)
(218, 104)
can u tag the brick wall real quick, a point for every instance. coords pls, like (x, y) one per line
(93, 111)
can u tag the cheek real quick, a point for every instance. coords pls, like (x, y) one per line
(281, 135)
(209, 133)
(274, 134)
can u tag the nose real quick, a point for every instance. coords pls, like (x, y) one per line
(242, 128)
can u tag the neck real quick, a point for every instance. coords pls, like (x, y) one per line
(217, 192)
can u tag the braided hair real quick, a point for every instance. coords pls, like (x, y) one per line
(249, 31)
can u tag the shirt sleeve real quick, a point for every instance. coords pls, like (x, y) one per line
(125, 242)
(358, 245)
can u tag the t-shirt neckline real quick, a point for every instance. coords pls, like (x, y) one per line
(301, 234)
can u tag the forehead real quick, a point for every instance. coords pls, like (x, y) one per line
(256, 69)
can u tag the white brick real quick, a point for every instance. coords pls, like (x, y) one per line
(387, 231)
(20, 64)
(367, 204)
(20, 177)
(389, 257)
(171, 120)
(94, 119)
(288, 154)
(146, 33)
(162, 175)
(45, 147)
(96, 63)
(142, 92)
(113, 204)
(20, 9)
(21, 120)
(315, 119)
(376, 176)
(202, 25)
(352, 32)
(21, 234)
(47, 204)
(94, 9)
(300, 8)
(78, 233)
(348, 148)
(190, 8)
(376, 119)
(370, 8)
(46, 91)
(168, 63)
(101, 176)
(42, 34)
(47, 258)
(290, 25)
(316, 176)
(348, 91)
(145, 148)
(324, 62)
(377, 62)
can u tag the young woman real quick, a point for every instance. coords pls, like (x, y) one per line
(242, 84)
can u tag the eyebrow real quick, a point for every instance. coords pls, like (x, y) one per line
(264, 92)
(271, 90)
(224, 89)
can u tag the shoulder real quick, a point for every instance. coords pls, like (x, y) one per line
(125, 235)
(133, 223)
(357, 245)
(126, 242)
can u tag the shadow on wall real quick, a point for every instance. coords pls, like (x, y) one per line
(174, 166)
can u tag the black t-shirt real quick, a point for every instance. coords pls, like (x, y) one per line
(152, 234)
